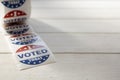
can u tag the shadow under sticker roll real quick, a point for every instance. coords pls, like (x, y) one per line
(28, 48)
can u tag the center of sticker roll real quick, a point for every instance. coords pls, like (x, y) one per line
(32, 54)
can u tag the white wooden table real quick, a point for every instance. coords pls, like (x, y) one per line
(68, 67)
(84, 35)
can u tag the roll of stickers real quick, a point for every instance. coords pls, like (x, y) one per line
(28, 48)
(15, 12)
(9, 5)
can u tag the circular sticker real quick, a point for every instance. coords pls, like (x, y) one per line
(15, 13)
(22, 19)
(24, 39)
(13, 3)
(15, 22)
(32, 54)
(16, 28)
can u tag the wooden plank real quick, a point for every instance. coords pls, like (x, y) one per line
(65, 9)
(4, 48)
(76, 25)
(75, 4)
(68, 66)
(76, 42)
(82, 13)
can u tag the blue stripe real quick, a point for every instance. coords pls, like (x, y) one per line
(39, 60)
(9, 5)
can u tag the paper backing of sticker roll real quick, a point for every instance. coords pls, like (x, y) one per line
(33, 53)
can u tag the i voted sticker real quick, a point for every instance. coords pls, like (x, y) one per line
(32, 54)
(24, 39)
(15, 22)
(17, 29)
(13, 3)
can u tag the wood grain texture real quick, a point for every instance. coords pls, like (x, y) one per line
(70, 27)
(75, 4)
(75, 25)
(76, 13)
(77, 42)
(68, 66)
(75, 9)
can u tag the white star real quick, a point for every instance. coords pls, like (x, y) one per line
(28, 62)
(34, 62)
(43, 59)
(11, 14)
(16, 5)
(23, 61)
(18, 13)
(8, 5)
